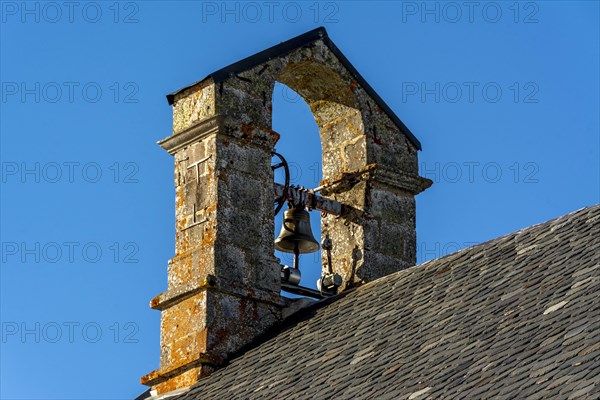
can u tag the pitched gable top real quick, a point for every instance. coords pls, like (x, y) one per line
(287, 47)
(514, 317)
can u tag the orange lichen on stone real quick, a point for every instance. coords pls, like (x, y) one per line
(188, 348)
(149, 378)
(185, 379)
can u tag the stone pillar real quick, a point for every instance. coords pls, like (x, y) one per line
(378, 236)
(224, 281)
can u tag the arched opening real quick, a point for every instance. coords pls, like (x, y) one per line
(300, 144)
(312, 96)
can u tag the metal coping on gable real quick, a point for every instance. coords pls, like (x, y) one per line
(289, 46)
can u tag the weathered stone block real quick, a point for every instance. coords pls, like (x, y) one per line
(392, 206)
(194, 106)
(392, 239)
(180, 326)
(235, 322)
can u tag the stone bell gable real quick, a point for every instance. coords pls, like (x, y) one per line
(224, 281)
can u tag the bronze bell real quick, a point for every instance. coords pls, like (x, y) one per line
(296, 236)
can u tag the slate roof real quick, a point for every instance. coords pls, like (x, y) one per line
(514, 318)
(289, 46)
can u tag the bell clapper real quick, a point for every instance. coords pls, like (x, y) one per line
(327, 245)
(296, 256)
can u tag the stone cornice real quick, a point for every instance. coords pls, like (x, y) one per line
(179, 140)
(245, 134)
(180, 293)
(162, 375)
(413, 184)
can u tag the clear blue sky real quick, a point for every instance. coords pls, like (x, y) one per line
(504, 97)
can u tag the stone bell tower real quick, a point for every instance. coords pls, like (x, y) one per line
(224, 281)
